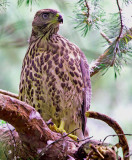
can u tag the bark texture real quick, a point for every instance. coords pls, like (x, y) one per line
(31, 138)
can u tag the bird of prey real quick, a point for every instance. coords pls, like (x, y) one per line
(55, 77)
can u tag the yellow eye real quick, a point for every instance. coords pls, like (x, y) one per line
(45, 15)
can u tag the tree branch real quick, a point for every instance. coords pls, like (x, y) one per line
(32, 136)
(106, 59)
(121, 20)
(116, 49)
(105, 37)
(32, 130)
(9, 94)
(113, 124)
(88, 9)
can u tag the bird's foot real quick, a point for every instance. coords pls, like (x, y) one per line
(72, 136)
(60, 130)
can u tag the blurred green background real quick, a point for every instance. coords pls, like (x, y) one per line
(109, 96)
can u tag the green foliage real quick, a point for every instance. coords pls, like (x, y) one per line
(87, 15)
(90, 15)
(123, 52)
(111, 26)
(118, 54)
(127, 1)
(3, 5)
(26, 2)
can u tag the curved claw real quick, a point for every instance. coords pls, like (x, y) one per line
(54, 128)
(75, 138)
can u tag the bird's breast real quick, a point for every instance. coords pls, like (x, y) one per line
(51, 79)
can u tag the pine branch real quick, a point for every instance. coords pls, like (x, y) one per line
(3, 4)
(116, 50)
(105, 37)
(106, 59)
(89, 14)
(121, 20)
(88, 9)
(28, 3)
(127, 1)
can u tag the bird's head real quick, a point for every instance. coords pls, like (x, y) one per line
(46, 22)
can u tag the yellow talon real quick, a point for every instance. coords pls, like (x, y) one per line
(61, 130)
(53, 127)
(75, 138)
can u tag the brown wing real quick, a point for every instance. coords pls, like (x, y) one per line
(87, 89)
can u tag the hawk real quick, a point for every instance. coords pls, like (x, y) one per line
(55, 77)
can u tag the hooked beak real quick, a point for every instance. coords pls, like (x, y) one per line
(60, 19)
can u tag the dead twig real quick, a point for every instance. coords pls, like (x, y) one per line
(56, 141)
(114, 135)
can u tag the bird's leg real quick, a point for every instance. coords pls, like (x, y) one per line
(61, 130)
(54, 128)
(61, 127)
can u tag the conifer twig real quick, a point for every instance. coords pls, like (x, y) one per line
(116, 50)
(104, 60)
(105, 37)
(88, 9)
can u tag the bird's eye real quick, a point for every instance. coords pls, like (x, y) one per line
(45, 15)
